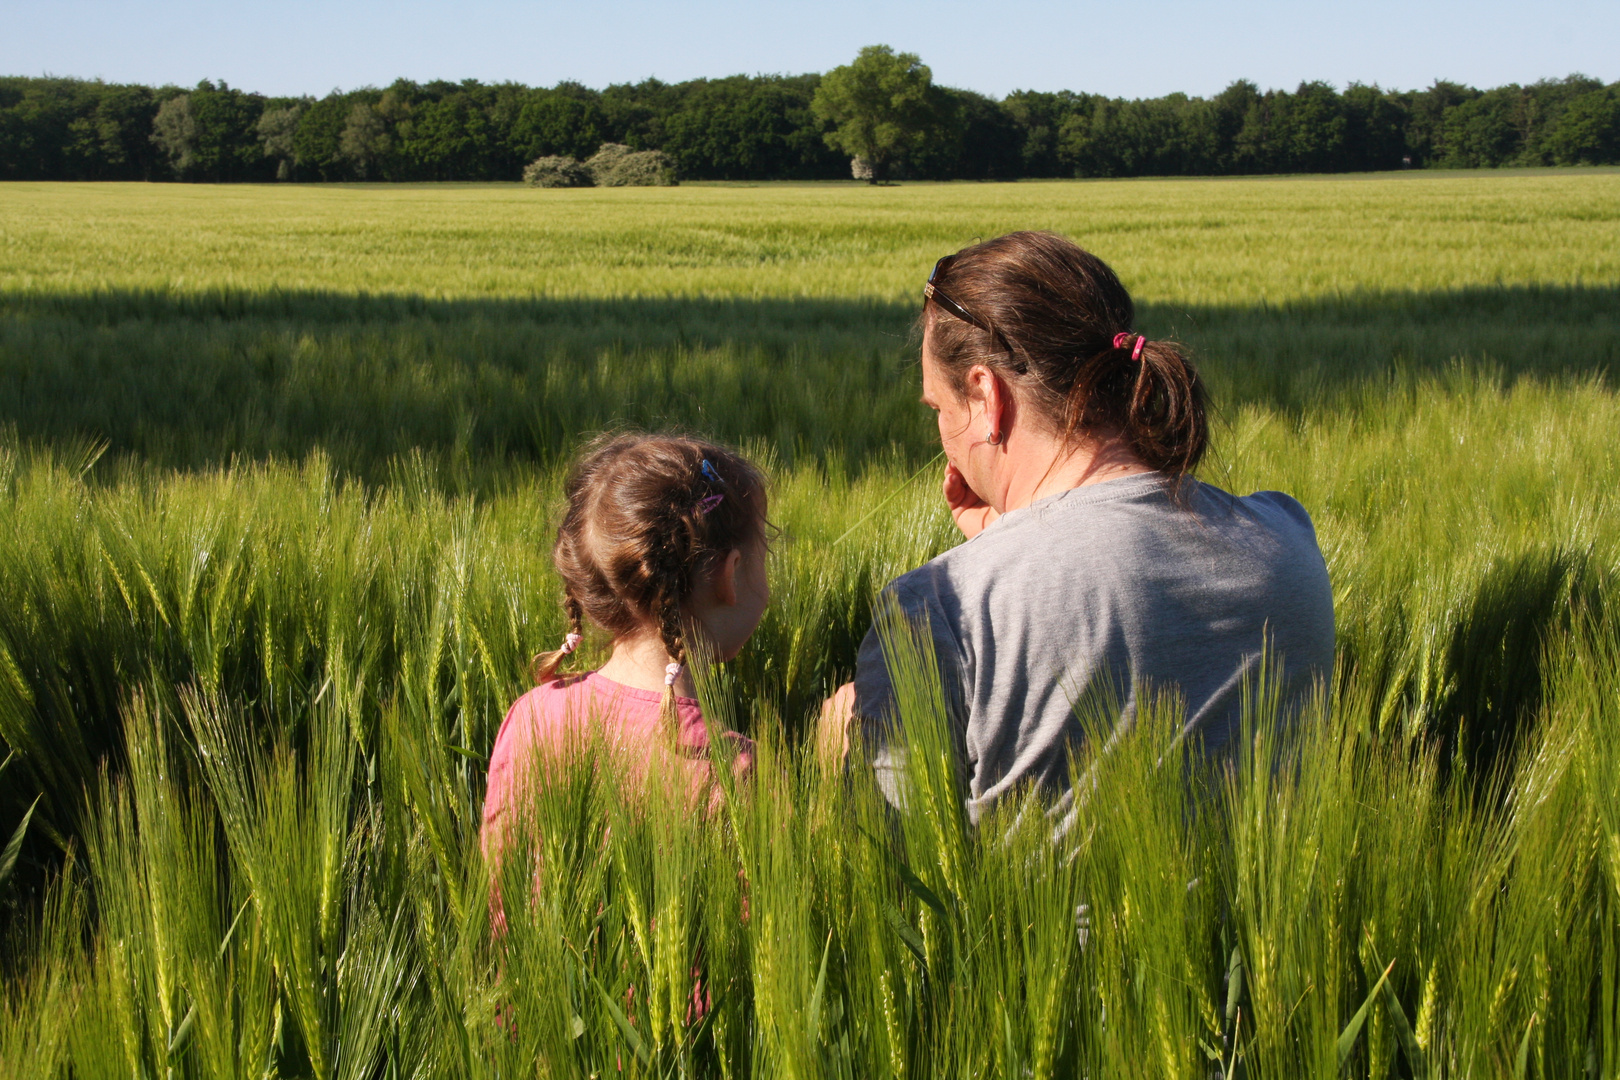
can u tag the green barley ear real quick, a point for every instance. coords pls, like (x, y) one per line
(929, 747)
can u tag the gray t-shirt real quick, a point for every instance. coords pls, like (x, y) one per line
(1107, 588)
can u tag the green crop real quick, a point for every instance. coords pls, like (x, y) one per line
(273, 559)
(1177, 241)
(484, 325)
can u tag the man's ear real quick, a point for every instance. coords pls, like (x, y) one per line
(985, 386)
(979, 383)
(725, 578)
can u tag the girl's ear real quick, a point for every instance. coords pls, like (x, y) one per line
(725, 578)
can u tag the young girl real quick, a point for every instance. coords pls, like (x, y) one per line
(664, 537)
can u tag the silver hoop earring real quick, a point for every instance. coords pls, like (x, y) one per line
(993, 438)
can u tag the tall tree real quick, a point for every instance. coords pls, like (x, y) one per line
(228, 146)
(1374, 132)
(365, 141)
(1039, 117)
(1231, 111)
(1484, 131)
(887, 112)
(1313, 129)
(453, 138)
(970, 137)
(879, 107)
(748, 128)
(278, 128)
(1426, 111)
(566, 121)
(1588, 132)
(174, 130)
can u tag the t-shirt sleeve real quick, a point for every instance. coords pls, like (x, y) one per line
(876, 713)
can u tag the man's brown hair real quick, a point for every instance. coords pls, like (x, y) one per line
(1054, 312)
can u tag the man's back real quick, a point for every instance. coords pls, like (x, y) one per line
(1100, 590)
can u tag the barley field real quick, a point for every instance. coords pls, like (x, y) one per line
(278, 469)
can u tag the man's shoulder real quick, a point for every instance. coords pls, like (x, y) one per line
(1278, 503)
(944, 573)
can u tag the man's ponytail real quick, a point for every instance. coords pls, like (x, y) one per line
(1166, 423)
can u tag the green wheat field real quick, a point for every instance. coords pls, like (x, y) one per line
(278, 472)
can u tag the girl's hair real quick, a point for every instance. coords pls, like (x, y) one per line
(1055, 313)
(648, 517)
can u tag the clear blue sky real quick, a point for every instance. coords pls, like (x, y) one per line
(1145, 48)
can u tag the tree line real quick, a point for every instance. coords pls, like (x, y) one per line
(789, 127)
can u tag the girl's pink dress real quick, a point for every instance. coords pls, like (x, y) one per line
(573, 711)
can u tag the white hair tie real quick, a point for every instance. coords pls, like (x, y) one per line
(671, 673)
(570, 643)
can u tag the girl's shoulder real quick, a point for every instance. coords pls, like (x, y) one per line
(555, 691)
(544, 709)
(590, 702)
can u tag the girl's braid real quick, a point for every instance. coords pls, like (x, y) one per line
(544, 666)
(575, 612)
(670, 630)
(673, 575)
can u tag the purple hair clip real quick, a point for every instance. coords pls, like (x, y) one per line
(709, 502)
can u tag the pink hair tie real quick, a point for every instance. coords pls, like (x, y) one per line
(570, 643)
(671, 673)
(1125, 335)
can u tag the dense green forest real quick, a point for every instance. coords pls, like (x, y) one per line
(763, 127)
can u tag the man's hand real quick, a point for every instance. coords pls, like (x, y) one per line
(971, 513)
(832, 733)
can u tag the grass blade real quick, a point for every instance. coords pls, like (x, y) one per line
(813, 1029)
(1521, 1065)
(1404, 1033)
(864, 518)
(1352, 1030)
(469, 754)
(225, 942)
(908, 936)
(908, 876)
(631, 1036)
(182, 1034)
(1234, 985)
(8, 857)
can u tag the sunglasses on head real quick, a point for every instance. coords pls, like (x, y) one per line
(933, 292)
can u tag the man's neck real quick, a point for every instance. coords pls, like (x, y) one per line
(1046, 467)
